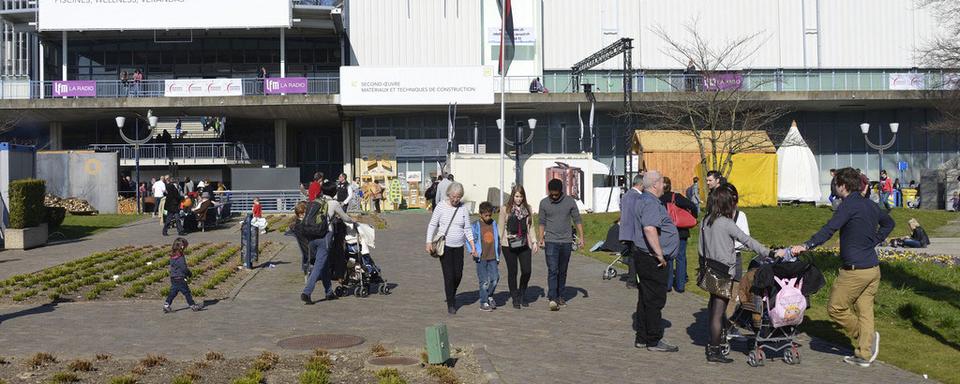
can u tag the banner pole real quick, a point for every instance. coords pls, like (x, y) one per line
(503, 76)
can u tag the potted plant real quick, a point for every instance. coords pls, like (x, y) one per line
(28, 227)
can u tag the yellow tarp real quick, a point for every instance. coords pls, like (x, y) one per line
(755, 176)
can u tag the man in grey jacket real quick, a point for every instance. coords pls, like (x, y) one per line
(627, 218)
(654, 238)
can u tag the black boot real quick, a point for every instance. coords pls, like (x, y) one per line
(516, 301)
(523, 298)
(715, 356)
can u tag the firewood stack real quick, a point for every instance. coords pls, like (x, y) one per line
(71, 204)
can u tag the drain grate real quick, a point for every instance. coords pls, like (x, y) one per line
(393, 360)
(325, 341)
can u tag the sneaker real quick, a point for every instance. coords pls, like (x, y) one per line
(662, 347)
(452, 310)
(305, 298)
(167, 309)
(562, 302)
(196, 307)
(876, 346)
(554, 306)
(853, 360)
(493, 304)
(486, 307)
(734, 334)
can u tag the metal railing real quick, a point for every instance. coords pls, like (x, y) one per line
(273, 201)
(759, 80)
(23, 89)
(195, 152)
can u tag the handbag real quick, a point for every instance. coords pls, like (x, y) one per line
(440, 241)
(715, 281)
(520, 240)
(681, 218)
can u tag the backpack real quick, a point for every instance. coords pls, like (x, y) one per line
(790, 303)
(316, 223)
(681, 218)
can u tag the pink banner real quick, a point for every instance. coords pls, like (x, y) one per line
(75, 88)
(288, 85)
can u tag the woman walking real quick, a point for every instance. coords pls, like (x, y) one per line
(518, 242)
(677, 266)
(452, 219)
(717, 235)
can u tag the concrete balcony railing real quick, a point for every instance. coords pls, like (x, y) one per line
(182, 153)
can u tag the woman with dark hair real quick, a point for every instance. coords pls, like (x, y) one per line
(718, 231)
(518, 242)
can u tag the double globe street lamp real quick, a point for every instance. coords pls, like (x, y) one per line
(136, 141)
(865, 128)
(518, 143)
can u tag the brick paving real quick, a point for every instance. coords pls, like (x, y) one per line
(589, 341)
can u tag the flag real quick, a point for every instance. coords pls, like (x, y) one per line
(506, 36)
(580, 117)
(592, 104)
(451, 132)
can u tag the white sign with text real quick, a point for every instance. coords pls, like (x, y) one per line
(416, 86)
(88, 15)
(202, 87)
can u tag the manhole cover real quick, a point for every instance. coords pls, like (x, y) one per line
(393, 360)
(309, 342)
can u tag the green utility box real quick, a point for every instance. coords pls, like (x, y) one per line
(438, 346)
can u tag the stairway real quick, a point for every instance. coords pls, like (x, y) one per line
(190, 129)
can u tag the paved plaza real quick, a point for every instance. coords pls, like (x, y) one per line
(591, 340)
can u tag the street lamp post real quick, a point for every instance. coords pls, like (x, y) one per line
(865, 128)
(518, 144)
(136, 141)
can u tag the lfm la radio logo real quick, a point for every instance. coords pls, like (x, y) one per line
(273, 85)
(62, 88)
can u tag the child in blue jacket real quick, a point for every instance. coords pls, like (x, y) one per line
(179, 272)
(485, 232)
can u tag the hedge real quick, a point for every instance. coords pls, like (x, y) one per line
(55, 217)
(26, 203)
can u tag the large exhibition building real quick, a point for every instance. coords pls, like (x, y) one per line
(342, 78)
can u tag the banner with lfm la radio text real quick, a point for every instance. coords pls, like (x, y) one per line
(416, 86)
(89, 15)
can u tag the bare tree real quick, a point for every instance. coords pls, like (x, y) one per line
(722, 117)
(943, 51)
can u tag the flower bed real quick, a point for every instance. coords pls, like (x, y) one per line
(129, 273)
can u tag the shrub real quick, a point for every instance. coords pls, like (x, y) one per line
(153, 361)
(443, 373)
(80, 366)
(266, 361)
(26, 203)
(182, 379)
(314, 377)
(214, 356)
(64, 377)
(389, 376)
(55, 217)
(123, 380)
(379, 350)
(103, 357)
(253, 376)
(40, 359)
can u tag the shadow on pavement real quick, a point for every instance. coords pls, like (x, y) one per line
(45, 308)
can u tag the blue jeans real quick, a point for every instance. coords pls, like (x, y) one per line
(911, 243)
(319, 271)
(677, 269)
(558, 257)
(489, 275)
(179, 286)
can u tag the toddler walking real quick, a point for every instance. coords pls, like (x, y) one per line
(179, 272)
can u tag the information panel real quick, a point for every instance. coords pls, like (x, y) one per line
(416, 86)
(87, 15)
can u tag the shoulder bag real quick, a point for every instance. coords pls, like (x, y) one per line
(714, 276)
(681, 217)
(440, 241)
(520, 240)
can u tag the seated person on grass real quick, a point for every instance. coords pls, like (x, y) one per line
(918, 238)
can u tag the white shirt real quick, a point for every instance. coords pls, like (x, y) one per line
(744, 226)
(159, 189)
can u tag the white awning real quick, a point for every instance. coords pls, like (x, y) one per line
(599, 168)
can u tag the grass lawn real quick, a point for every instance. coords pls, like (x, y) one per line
(75, 227)
(917, 308)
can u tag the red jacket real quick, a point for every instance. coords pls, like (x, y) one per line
(887, 185)
(257, 211)
(314, 191)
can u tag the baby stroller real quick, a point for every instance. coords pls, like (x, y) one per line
(612, 244)
(775, 325)
(362, 273)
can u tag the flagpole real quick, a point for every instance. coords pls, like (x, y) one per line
(503, 106)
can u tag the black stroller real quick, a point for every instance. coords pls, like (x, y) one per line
(753, 312)
(362, 274)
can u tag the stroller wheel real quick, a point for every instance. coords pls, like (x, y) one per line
(791, 355)
(725, 349)
(609, 273)
(339, 291)
(755, 358)
(383, 289)
(363, 292)
(356, 291)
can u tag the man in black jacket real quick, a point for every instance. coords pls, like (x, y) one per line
(172, 206)
(863, 226)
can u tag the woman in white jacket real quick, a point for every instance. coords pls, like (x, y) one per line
(452, 218)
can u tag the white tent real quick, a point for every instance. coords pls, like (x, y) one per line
(797, 171)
